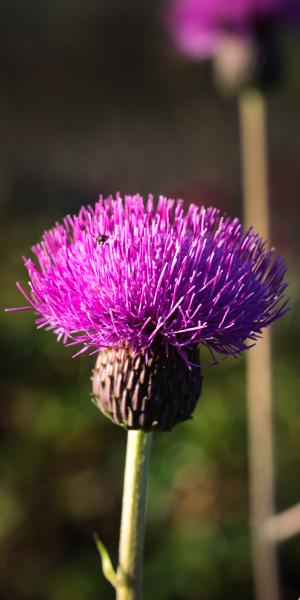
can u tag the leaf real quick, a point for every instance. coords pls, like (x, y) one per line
(107, 567)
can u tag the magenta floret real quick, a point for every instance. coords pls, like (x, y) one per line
(128, 274)
(197, 25)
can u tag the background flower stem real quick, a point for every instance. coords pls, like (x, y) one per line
(131, 549)
(253, 122)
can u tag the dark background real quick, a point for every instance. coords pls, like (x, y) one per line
(94, 99)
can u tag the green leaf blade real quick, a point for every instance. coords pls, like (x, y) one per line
(107, 567)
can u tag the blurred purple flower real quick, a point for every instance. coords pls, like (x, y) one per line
(126, 274)
(197, 26)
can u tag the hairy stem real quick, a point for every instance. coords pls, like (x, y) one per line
(131, 549)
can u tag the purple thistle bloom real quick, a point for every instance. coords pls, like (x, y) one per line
(124, 274)
(198, 26)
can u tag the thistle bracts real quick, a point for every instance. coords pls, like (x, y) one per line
(153, 395)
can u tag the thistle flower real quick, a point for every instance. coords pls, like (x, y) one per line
(239, 35)
(143, 286)
(198, 26)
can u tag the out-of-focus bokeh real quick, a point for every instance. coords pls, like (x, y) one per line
(94, 99)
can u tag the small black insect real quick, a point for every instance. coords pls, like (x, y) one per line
(101, 239)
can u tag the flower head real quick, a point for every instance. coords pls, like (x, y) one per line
(198, 26)
(125, 274)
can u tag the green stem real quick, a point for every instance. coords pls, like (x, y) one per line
(130, 569)
(253, 125)
(253, 120)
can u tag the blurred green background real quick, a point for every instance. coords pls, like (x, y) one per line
(92, 100)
